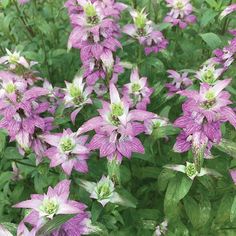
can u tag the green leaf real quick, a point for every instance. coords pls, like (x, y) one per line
(2, 141)
(55, 223)
(4, 178)
(233, 210)
(208, 16)
(212, 40)
(177, 189)
(227, 146)
(11, 153)
(12, 228)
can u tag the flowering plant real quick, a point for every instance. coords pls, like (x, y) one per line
(117, 117)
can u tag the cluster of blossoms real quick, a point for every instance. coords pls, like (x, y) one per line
(116, 128)
(179, 82)
(45, 207)
(143, 30)
(203, 113)
(95, 32)
(22, 104)
(180, 14)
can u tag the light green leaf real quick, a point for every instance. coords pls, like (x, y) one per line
(212, 40)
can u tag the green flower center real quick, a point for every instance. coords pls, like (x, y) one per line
(179, 5)
(66, 144)
(76, 94)
(91, 14)
(10, 88)
(140, 20)
(135, 88)
(104, 191)
(117, 109)
(50, 206)
(209, 77)
(210, 102)
(14, 58)
(190, 170)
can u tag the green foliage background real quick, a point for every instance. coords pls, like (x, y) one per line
(205, 206)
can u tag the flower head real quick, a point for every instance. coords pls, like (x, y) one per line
(68, 150)
(45, 207)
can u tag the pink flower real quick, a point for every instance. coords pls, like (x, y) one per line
(180, 13)
(116, 128)
(229, 9)
(233, 175)
(43, 208)
(68, 150)
(180, 82)
(137, 92)
(143, 31)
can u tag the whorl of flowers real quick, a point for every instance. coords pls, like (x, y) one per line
(22, 105)
(45, 207)
(144, 31)
(95, 33)
(116, 128)
(180, 13)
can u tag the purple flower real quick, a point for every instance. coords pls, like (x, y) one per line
(180, 13)
(226, 56)
(143, 31)
(180, 82)
(76, 226)
(68, 150)
(137, 92)
(116, 128)
(233, 175)
(43, 208)
(211, 102)
(76, 96)
(229, 9)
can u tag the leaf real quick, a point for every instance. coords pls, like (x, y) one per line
(177, 189)
(5, 177)
(227, 146)
(208, 16)
(124, 198)
(12, 228)
(212, 40)
(233, 210)
(54, 224)
(2, 141)
(96, 210)
(11, 153)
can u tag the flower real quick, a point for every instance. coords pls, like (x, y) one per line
(137, 92)
(155, 123)
(229, 9)
(162, 228)
(77, 96)
(143, 31)
(180, 13)
(180, 82)
(76, 226)
(43, 208)
(14, 59)
(190, 170)
(211, 102)
(116, 128)
(4, 231)
(233, 175)
(68, 150)
(103, 190)
(208, 73)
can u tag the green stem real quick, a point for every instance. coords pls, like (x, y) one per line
(29, 29)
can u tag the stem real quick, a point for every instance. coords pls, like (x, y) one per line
(134, 3)
(30, 31)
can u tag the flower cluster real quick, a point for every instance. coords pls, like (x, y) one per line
(95, 32)
(116, 128)
(180, 14)
(22, 105)
(180, 82)
(67, 150)
(203, 113)
(143, 30)
(44, 208)
(137, 93)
